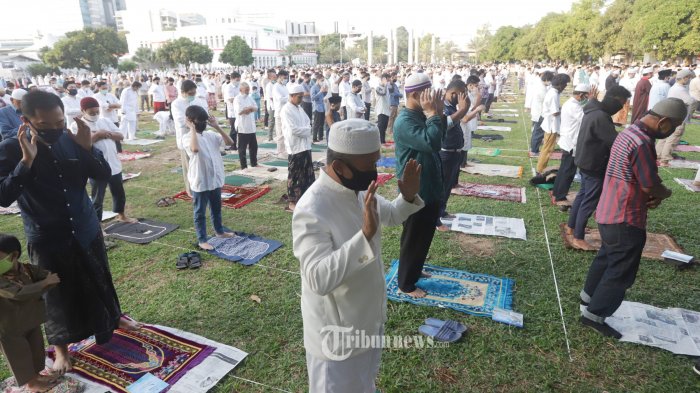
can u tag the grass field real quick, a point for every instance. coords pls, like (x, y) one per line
(553, 353)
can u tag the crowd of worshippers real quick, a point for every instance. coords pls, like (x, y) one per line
(54, 148)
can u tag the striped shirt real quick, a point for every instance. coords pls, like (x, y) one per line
(632, 166)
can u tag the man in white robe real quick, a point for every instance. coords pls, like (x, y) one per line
(337, 239)
(129, 101)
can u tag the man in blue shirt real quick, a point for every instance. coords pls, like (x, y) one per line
(47, 175)
(9, 115)
(318, 94)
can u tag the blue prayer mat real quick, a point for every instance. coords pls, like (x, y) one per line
(243, 248)
(470, 293)
(387, 162)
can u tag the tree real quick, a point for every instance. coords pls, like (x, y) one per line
(379, 49)
(184, 51)
(237, 52)
(291, 50)
(571, 37)
(611, 34)
(445, 50)
(672, 30)
(402, 44)
(36, 69)
(91, 49)
(502, 44)
(329, 49)
(126, 66)
(145, 57)
(481, 41)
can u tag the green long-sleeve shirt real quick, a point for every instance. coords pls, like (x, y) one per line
(420, 138)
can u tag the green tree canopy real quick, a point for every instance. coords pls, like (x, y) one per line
(502, 45)
(36, 69)
(126, 66)
(91, 49)
(145, 57)
(237, 52)
(481, 42)
(184, 51)
(379, 49)
(329, 49)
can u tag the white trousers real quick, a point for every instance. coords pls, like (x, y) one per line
(128, 129)
(279, 138)
(354, 375)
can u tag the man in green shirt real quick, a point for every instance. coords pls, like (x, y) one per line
(418, 133)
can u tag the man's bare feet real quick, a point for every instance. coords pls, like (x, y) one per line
(582, 245)
(38, 384)
(565, 202)
(417, 293)
(225, 234)
(62, 364)
(205, 246)
(129, 325)
(123, 218)
(425, 274)
(443, 228)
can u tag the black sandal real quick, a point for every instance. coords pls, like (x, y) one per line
(182, 261)
(195, 260)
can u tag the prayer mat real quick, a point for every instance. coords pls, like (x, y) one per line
(387, 162)
(488, 138)
(493, 120)
(243, 248)
(128, 176)
(493, 128)
(494, 170)
(508, 115)
(470, 293)
(555, 155)
(382, 178)
(277, 163)
(236, 180)
(233, 197)
(688, 148)
(686, 164)
(12, 209)
(484, 151)
(64, 385)
(656, 243)
(273, 146)
(108, 215)
(131, 156)
(545, 186)
(231, 157)
(262, 133)
(499, 192)
(688, 184)
(263, 173)
(128, 356)
(389, 145)
(142, 232)
(503, 110)
(141, 142)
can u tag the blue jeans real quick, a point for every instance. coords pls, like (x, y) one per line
(585, 204)
(200, 201)
(537, 136)
(451, 162)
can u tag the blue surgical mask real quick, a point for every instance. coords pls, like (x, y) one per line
(190, 98)
(284, 81)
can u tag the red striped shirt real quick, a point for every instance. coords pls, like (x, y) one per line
(632, 166)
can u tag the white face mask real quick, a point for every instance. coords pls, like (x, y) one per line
(92, 118)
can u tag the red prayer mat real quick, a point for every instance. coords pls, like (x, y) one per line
(499, 192)
(382, 178)
(131, 156)
(241, 195)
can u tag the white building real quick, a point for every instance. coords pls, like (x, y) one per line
(268, 43)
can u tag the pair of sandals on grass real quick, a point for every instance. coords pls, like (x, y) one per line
(443, 331)
(189, 260)
(165, 202)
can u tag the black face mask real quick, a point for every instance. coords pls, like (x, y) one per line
(73, 92)
(51, 135)
(610, 105)
(360, 180)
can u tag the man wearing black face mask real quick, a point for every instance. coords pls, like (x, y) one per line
(595, 138)
(47, 175)
(632, 186)
(71, 103)
(336, 232)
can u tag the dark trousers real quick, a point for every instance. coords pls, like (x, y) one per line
(343, 113)
(306, 106)
(118, 143)
(367, 108)
(565, 176)
(451, 162)
(317, 128)
(250, 142)
(233, 132)
(267, 117)
(417, 235)
(614, 268)
(488, 103)
(585, 204)
(537, 136)
(116, 188)
(464, 159)
(382, 123)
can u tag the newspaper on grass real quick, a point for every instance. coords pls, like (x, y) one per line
(674, 329)
(473, 224)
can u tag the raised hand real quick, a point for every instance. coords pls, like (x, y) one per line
(371, 216)
(84, 136)
(462, 101)
(439, 101)
(427, 102)
(28, 147)
(51, 280)
(212, 122)
(409, 184)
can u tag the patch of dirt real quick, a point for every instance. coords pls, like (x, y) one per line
(477, 246)
(158, 161)
(445, 376)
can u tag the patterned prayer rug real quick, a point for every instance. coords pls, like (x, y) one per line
(687, 183)
(656, 243)
(470, 293)
(387, 162)
(494, 170)
(382, 178)
(389, 145)
(499, 192)
(485, 151)
(240, 197)
(131, 156)
(243, 248)
(142, 232)
(555, 155)
(130, 355)
(688, 148)
(141, 142)
(12, 209)
(686, 164)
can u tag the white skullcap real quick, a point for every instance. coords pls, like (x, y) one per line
(417, 81)
(582, 87)
(354, 136)
(647, 70)
(295, 88)
(615, 72)
(18, 94)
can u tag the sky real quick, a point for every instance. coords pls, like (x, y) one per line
(450, 20)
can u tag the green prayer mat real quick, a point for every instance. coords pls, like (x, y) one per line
(682, 142)
(314, 148)
(262, 133)
(237, 180)
(279, 163)
(483, 151)
(546, 186)
(231, 157)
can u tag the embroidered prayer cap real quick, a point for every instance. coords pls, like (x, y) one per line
(582, 88)
(18, 94)
(417, 81)
(673, 108)
(354, 136)
(88, 102)
(295, 89)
